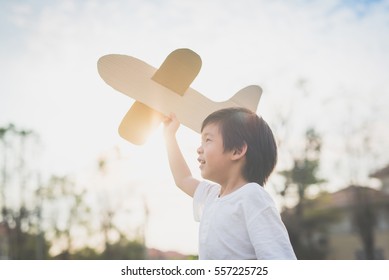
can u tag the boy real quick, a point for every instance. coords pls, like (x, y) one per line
(238, 219)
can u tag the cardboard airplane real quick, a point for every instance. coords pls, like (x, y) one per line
(159, 92)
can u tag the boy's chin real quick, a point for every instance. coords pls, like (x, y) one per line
(206, 176)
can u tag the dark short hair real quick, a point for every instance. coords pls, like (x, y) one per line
(239, 126)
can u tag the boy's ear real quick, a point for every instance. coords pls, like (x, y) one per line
(238, 153)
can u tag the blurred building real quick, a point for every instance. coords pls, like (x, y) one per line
(383, 176)
(155, 254)
(352, 223)
(362, 218)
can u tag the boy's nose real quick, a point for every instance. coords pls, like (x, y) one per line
(200, 150)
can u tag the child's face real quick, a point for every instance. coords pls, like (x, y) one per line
(213, 160)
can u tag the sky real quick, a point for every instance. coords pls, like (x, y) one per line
(321, 64)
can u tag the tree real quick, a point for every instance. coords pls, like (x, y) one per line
(302, 224)
(55, 215)
(364, 220)
(19, 215)
(66, 211)
(303, 173)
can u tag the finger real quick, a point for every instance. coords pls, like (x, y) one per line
(173, 117)
(167, 119)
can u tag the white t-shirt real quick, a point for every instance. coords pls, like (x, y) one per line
(242, 225)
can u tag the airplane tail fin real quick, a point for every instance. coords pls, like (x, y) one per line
(248, 97)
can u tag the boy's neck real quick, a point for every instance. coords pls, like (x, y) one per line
(231, 185)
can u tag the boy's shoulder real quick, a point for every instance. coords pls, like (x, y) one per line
(253, 188)
(256, 194)
(250, 193)
(207, 189)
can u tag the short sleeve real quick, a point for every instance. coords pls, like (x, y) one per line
(266, 229)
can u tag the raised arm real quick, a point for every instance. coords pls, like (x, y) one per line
(178, 166)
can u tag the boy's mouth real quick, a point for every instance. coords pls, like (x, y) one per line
(202, 162)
